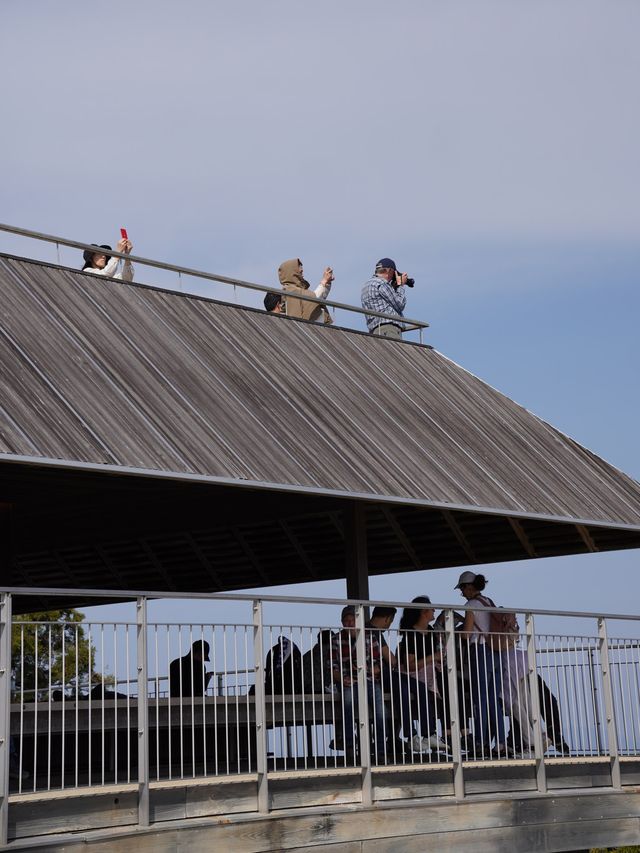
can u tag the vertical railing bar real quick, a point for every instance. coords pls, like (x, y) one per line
(305, 757)
(77, 710)
(102, 709)
(50, 687)
(577, 738)
(156, 697)
(616, 779)
(181, 705)
(582, 723)
(246, 689)
(541, 777)
(115, 703)
(169, 704)
(272, 693)
(467, 696)
(589, 722)
(22, 707)
(595, 700)
(214, 647)
(5, 713)
(454, 705)
(226, 700)
(193, 703)
(363, 706)
(127, 641)
(35, 700)
(628, 693)
(561, 682)
(63, 724)
(237, 693)
(143, 712)
(636, 715)
(634, 711)
(260, 709)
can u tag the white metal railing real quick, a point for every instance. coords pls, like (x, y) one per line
(407, 323)
(100, 703)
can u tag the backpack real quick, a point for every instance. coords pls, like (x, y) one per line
(283, 668)
(501, 623)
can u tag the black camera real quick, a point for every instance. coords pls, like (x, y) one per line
(410, 282)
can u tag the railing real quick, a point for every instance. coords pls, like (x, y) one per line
(98, 703)
(407, 323)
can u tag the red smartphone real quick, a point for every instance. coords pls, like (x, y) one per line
(123, 234)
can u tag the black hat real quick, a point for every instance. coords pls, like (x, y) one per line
(88, 254)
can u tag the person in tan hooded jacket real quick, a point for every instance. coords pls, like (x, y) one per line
(291, 278)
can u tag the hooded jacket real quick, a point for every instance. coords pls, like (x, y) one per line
(289, 273)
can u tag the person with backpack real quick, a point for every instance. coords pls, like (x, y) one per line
(484, 638)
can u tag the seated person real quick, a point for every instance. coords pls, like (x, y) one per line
(188, 675)
(409, 697)
(100, 263)
(317, 665)
(345, 676)
(292, 280)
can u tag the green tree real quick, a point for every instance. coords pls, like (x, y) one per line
(52, 648)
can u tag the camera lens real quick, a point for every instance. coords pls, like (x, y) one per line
(411, 282)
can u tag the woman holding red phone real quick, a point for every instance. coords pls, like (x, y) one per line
(101, 263)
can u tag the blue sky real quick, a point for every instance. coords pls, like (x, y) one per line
(490, 147)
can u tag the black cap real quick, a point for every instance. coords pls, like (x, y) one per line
(386, 264)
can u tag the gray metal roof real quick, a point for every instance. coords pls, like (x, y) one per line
(105, 376)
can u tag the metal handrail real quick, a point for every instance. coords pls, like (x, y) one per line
(221, 279)
(117, 596)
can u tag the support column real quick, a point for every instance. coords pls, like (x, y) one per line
(357, 566)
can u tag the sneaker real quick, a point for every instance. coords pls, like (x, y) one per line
(419, 744)
(427, 744)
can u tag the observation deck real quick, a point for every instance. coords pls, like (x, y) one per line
(157, 444)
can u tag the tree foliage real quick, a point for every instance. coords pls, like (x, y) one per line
(52, 649)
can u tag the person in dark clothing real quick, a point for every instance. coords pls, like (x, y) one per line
(188, 676)
(317, 665)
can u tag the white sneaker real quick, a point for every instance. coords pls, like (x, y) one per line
(427, 744)
(420, 744)
(434, 742)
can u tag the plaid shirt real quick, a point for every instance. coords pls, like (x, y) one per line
(379, 295)
(344, 655)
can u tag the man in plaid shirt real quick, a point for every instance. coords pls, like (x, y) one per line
(386, 293)
(345, 674)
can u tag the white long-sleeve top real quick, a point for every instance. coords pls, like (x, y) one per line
(114, 269)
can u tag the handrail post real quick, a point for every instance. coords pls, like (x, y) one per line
(5, 713)
(538, 746)
(260, 709)
(363, 705)
(454, 705)
(143, 712)
(607, 689)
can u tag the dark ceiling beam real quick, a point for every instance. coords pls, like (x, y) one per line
(202, 559)
(402, 537)
(457, 532)
(522, 537)
(295, 544)
(157, 564)
(587, 538)
(247, 550)
(110, 566)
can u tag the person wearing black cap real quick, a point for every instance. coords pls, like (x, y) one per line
(187, 675)
(386, 293)
(101, 263)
